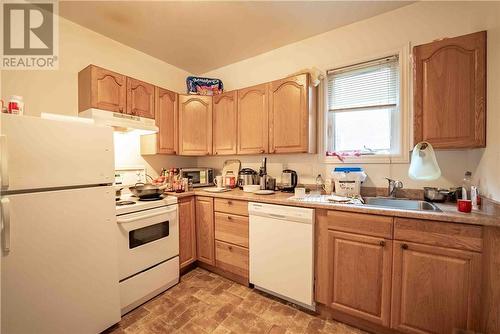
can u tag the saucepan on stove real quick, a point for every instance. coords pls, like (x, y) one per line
(432, 194)
(147, 190)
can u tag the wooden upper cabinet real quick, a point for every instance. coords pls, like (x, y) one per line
(140, 98)
(253, 120)
(290, 116)
(205, 238)
(101, 89)
(435, 289)
(224, 123)
(187, 231)
(166, 120)
(450, 92)
(195, 125)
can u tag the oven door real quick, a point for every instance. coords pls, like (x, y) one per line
(146, 239)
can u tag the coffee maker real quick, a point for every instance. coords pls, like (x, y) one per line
(289, 180)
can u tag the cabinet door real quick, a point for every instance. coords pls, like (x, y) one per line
(435, 289)
(205, 230)
(140, 98)
(289, 115)
(187, 231)
(101, 89)
(253, 120)
(360, 276)
(166, 120)
(450, 92)
(225, 120)
(195, 125)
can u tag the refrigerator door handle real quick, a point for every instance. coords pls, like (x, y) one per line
(4, 165)
(5, 203)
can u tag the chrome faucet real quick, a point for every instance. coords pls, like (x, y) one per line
(393, 187)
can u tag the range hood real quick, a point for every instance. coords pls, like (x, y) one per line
(121, 122)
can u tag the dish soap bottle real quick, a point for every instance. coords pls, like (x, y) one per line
(466, 185)
(320, 184)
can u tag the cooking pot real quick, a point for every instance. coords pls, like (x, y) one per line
(147, 190)
(432, 194)
(247, 176)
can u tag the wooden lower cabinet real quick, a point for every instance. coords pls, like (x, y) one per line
(360, 276)
(231, 228)
(357, 275)
(429, 284)
(435, 289)
(231, 258)
(205, 229)
(187, 231)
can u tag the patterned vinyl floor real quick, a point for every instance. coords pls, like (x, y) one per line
(204, 302)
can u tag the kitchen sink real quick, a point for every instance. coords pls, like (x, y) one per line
(403, 204)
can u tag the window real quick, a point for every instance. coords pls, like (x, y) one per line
(364, 108)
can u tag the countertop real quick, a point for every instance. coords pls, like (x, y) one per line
(449, 211)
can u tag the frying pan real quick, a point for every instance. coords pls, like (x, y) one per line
(147, 190)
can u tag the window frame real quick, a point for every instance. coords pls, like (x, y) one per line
(404, 113)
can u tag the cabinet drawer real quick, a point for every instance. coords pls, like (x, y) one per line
(231, 206)
(231, 258)
(359, 223)
(442, 234)
(231, 228)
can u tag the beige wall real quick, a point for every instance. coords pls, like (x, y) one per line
(57, 91)
(416, 24)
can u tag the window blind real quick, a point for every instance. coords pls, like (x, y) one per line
(368, 85)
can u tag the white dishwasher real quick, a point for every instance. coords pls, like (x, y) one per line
(282, 251)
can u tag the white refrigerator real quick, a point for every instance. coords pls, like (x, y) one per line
(59, 269)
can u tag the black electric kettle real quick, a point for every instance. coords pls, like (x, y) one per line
(288, 180)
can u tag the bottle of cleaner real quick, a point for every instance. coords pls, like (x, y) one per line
(466, 185)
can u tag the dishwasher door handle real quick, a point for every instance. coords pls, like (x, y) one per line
(274, 215)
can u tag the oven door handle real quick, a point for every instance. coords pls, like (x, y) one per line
(121, 220)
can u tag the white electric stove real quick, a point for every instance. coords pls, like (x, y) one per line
(148, 244)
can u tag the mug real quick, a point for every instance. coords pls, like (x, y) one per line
(464, 205)
(218, 181)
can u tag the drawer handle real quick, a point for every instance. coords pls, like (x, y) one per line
(404, 246)
(229, 202)
(229, 218)
(382, 243)
(230, 248)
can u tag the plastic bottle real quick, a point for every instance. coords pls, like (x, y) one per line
(320, 184)
(466, 185)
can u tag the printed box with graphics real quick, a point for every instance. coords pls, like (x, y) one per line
(30, 35)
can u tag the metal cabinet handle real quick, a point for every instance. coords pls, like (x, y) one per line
(404, 246)
(5, 203)
(382, 243)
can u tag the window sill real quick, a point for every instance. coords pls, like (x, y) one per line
(370, 159)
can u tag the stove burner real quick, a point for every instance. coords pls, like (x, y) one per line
(150, 199)
(120, 203)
